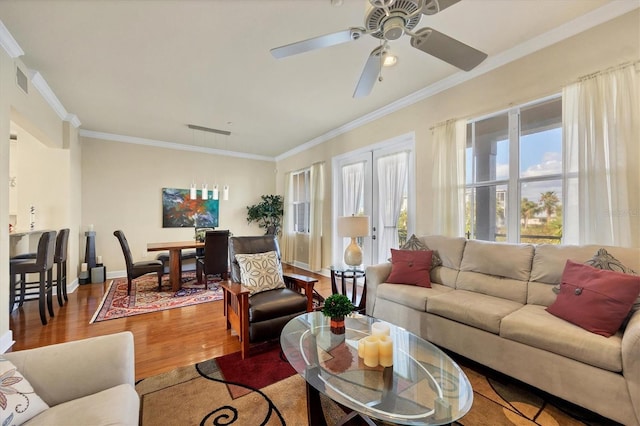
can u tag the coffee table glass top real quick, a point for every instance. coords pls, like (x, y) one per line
(422, 387)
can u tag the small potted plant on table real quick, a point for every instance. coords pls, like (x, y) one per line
(336, 307)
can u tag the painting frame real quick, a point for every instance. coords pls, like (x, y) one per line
(180, 211)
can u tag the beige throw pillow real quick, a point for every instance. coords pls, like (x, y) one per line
(18, 401)
(260, 271)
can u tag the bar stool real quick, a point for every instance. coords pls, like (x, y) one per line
(59, 259)
(41, 265)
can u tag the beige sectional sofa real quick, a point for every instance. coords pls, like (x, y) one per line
(84, 382)
(487, 303)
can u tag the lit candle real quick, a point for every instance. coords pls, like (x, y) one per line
(361, 348)
(385, 351)
(371, 351)
(83, 267)
(380, 329)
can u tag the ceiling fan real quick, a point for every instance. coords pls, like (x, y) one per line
(389, 20)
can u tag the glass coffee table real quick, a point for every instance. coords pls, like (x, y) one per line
(422, 387)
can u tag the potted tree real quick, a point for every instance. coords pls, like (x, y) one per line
(268, 213)
(336, 307)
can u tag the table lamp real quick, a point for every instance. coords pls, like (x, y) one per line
(353, 227)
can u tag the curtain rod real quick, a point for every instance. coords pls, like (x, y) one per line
(443, 123)
(610, 69)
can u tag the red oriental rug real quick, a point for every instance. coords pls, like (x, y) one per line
(146, 298)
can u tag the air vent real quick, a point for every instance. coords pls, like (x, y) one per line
(22, 80)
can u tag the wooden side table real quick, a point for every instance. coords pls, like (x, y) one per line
(344, 274)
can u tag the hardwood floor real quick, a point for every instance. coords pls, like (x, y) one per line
(163, 340)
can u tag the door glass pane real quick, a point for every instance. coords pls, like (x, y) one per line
(541, 212)
(486, 208)
(491, 156)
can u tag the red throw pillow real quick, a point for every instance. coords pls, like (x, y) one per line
(410, 267)
(595, 299)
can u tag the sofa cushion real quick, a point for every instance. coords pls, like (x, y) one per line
(474, 309)
(532, 325)
(18, 400)
(410, 267)
(449, 249)
(414, 243)
(411, 296)
(119, 405)
(499, 259)
(260, 271)
(595, 299)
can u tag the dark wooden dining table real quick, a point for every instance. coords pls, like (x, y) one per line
(175, 257)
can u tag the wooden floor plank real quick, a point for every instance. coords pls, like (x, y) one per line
(163, 340)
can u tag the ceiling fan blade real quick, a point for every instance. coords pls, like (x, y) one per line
(370, 73)
(435, 6)
(447, 49)
(317, 42)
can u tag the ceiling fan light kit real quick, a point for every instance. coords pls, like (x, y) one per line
(389, 20)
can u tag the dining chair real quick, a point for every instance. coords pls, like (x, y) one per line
(216, 256)
(138, 269)
(261, 316)
(42, 265)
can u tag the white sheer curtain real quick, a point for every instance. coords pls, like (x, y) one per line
(448, 178)
(288, 239)
(353, 188)
(601, 129)
(315, 216)
(392, 181)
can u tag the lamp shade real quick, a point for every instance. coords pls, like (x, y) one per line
(353, 226)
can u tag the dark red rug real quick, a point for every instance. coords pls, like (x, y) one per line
(264, 366)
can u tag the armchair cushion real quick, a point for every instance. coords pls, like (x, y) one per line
(260, 271)
(275, 303)
(18, 400)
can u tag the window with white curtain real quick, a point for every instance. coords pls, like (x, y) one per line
(514, 175)
(301, 201)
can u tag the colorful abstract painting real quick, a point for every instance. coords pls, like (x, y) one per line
(179, 210)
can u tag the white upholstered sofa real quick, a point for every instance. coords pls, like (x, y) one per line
(487, 303)
(84, 382)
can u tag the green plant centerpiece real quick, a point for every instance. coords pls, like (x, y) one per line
(268, 213)
(336, 307)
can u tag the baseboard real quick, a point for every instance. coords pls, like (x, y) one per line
(116, 274)
(324, 271)
(6, 341)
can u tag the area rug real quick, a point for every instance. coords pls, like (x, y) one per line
(207, 394)
(145, 297)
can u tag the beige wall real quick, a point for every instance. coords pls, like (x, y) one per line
(535, 76)
(122, 189)
(45, 171)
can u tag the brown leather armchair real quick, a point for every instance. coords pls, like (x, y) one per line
(262, 316)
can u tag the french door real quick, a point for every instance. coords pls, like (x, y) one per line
(378, 182)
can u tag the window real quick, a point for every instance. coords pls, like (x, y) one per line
(514, 175)
(301, 201)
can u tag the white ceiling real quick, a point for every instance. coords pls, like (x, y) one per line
(143, 70)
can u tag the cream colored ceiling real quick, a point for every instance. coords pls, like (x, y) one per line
(145, 69)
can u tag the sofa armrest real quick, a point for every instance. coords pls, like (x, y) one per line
(376, 274)
(68, 371)
(631, 360)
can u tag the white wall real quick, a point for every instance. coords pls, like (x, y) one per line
(122, 189)
(535, 76)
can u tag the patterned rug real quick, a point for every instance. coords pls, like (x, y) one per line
(227, 391)
(146, 298)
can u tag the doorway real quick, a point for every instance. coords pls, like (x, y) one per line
(377, 181)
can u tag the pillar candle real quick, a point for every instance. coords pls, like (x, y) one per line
(361, 348)
(380, 329)
(83, 267)
(99, 261)
(385, 346)
(371, 351)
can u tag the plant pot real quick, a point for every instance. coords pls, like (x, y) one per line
(337, 325)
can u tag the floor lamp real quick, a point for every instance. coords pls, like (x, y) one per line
(353, 227)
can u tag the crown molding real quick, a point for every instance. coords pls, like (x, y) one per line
(569, 29)
(43, 88)
(170, 145)
(74, 120)
(8, 43)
